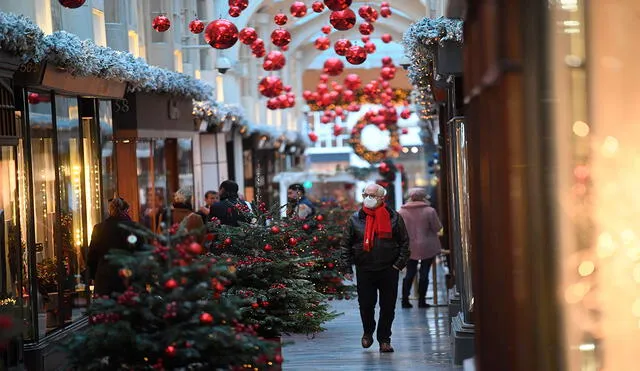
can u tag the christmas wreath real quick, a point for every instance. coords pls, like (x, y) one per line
(393, 150)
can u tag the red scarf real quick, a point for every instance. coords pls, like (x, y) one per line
(377, 224)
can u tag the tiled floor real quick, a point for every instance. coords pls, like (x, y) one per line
(420, 338)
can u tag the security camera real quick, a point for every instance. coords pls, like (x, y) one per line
(223, 64)
(405, 62)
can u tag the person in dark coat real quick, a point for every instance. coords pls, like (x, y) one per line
(230, 209)
(108, 235)
(376, 241)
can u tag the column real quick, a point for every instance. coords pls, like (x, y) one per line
(213, 157)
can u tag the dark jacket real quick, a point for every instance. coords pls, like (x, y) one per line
(106, 236)
(385, 252)
(226, 211)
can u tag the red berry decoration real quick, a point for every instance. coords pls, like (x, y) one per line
(235, 11)
(341, 46)
(72, 4)
(322, 43)
(196, 26)
(275, 229)
(206, 318)
(366, 28)
(221, 34)
(274, 61)
(298, 9)
(356, 55)
(280, 37)
(270, 86)
(267, 248)
(333, 67)
(170, 351)
(337, 4)
(317, 6)
(247, 35)
(343, 19)
(280, 19)
(161, 23)
(171, 284)
(386, 38)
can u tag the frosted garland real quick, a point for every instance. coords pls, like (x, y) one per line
(215, 114)
(21, 37)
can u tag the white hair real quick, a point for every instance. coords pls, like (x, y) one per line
(380, 190)
(417, 194)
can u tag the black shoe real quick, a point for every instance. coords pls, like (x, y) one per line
(386, 348)
(406, 304)
(367, 341)
(423, 304)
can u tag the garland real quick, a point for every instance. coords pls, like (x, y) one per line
(400, 96)
(21, 37)
(215, 114)
(373, 157)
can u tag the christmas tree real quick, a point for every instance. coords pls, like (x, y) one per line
(175, 314)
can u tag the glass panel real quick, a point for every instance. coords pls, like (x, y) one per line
(44, 210)
(151, 184)
(185, 164)
(23, 197)
(71, 223)
(107, 153)
(93, 197)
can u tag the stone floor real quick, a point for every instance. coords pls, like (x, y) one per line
(420, 338)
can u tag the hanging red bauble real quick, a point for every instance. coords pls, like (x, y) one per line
(196, 26)
(298, 9)
(386, 38)
(259, 53)
(280, 37)
(356, 55)
(284, 48)
(352, 81)
(370, 47)
(248, 35)
(257, 44)
(326, 29)
(274, 61)
(365, 39)
(273, 104)
(405, 114)
(170, 351)
(322, 43)
(324, 78)
(161, 23)
(341, 46)
(337, 130)
(234, 11)
(72, 4)
(317, 6)
(386, 60)
(343, 19)
(333, 66)
(337, 4)
(270, 86)
(221, 34)
(387, 73)
(242, 4)
(385, 12)
(366, 28)
(368, 13)
(206, 318)
(280, 19)
(313, 137)
(33, 98)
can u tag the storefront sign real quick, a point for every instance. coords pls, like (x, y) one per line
(145, 111)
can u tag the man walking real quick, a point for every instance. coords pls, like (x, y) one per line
(376, 241)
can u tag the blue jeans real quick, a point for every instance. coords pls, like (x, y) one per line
(423, 278)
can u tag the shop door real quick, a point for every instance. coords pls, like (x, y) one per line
(10, 241)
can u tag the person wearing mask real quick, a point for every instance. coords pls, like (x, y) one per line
(107, 235)
(298, 205)
(229, 210)
(423, 225)
(210, 197)
(375, 240)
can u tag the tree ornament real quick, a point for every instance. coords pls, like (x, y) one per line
(275, 229)
(274, 61)
(33, 98)
(343, 19)
(333, 66)
(171, 284)
(356, 55)
(195, 248)
(247, 35)
(206, 318)
(366, 28)
(385, 12)
(317, 6)
(259, 53)
(320, 217)
(306, 227)
(267, 248)
(298, 9)
(125, 273)
(242, 4)
(280, 19)
(341, 46)
(337, 4)
(386, 38)
(196, 26)
(280, 37)
(234, 11)
(72, 4)
(161, 23)
(170, 351)
(322, 43)
(227, 241)
(313, 137)
(326, 29)
(221, 34)
(370, 47)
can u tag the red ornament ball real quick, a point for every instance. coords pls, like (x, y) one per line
(196, 26)
(195, 248)
(161, 23)
(356, 55)
(322, 43)
(343, 19)
(275, 229)
(72, 4)
(352, 81)
(267, 248)
(280, 37)
(320, 217)
(293, 241)
(259, 53)
(221, 34)
(333, 67)
(306, 227)
(242, 4)
(170, 351)
(171, 284)
(33, 98)
(370, 47)
(341, 46)
(385, 12)
(337, 4)
(247, 35)
(227, 241)
(317, 6)
(368, 13)
(313, 137)
(326, 29)
(366, 28)
(386, 38)
(298, 9)
(274, 61)
(206, 318)
(280, 19)
(234, 11)
(405, 114)
(405, 130)
(270, 86)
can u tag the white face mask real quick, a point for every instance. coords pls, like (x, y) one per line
(370, 202)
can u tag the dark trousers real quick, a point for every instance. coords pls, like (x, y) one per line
(369, 284)
(423, 278)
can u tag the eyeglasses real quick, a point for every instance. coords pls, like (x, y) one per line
(366, 195)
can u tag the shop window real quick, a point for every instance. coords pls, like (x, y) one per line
(107, 154)
(152, 183)
(185, 163)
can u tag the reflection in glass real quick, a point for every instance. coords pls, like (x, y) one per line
(185, 163)
(152, 183)
(107, 154)
(24, 200)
